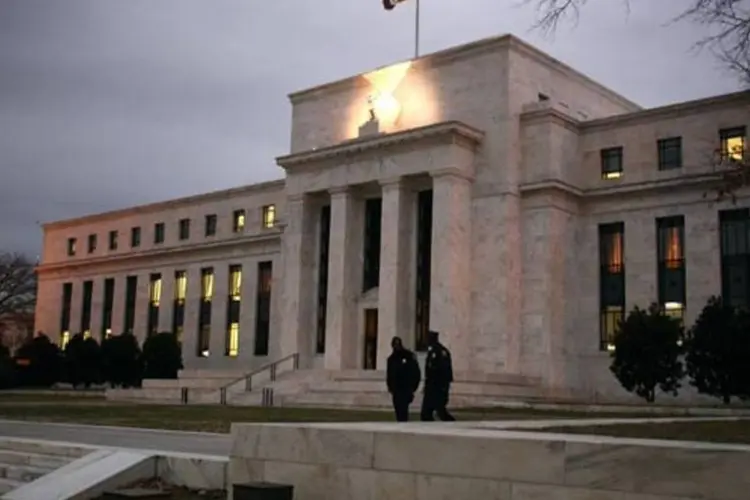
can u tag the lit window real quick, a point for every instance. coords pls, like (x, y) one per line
(64, 339)
(71, 247)
(233, 347)
(269, 216)
(732, 143)
(238, 221)
(180, 289)
(611, 159)
(107, 333)
(235, 282)
(155, 290)
(207, 284)
(86, 334)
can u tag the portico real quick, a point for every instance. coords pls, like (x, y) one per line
(391, 170)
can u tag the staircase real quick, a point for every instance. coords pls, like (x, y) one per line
(367, 389)
(25, 461)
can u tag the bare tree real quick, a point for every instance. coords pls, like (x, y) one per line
(17, 284)
(728, 22)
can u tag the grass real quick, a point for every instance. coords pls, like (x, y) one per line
(30, 397)
(220, 418)
(728, 431)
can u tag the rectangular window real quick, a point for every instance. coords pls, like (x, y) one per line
(135, 237)
(423, 268)
(107, 306)
(113, 240)
(178, 310)
(735, 256)
(732, 143)
(131, 285)
(232, 341)
(323, 248)
(67, 299)
(611, 159)
(670, 153)
(269, 216)
(158, 233)
(71, 247)
(670, 243)
(184, 229)
(371, 250)
(88, 291)
(92, 243)
(210, 226)
(263, 308)
(611, 282)
(238, 221)
(204, 313)
(154, 299)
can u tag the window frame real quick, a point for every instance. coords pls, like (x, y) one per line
(608, 155)
(663, 147)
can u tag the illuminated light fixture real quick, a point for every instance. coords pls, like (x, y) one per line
(205, 353)
(610, 347)
(383, 106)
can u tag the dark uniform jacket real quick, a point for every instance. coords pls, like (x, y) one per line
(438, 371)
(403, 374)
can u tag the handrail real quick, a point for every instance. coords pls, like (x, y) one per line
(270, 367)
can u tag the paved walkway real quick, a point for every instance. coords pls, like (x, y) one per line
(121, 437)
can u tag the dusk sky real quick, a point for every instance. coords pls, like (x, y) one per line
(110, 103)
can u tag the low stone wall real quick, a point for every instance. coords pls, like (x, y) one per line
(430, 461)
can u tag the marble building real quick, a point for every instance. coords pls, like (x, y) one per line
(487, 191)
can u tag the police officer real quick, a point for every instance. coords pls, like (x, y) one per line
(403, 377)
(438, 376)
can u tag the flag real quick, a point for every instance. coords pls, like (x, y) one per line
(390, 4)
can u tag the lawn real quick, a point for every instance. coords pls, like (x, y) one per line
(219, 418)
(728, 431)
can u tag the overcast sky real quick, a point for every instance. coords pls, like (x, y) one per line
(111, 103)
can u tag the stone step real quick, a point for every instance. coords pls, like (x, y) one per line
(23, 473)
(7, 485)
(459, 377)
(34, 459)
(377, 400)
(458, 389)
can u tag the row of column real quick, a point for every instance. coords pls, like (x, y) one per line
(450, 273)
(166, 307)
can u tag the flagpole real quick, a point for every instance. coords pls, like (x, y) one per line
(416, 32)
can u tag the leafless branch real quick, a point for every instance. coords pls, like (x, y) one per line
(727, 20)
(17, 284)
(732, 174)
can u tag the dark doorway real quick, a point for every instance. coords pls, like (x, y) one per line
(371, 339)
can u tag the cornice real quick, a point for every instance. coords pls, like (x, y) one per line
(160, 253)
(450, 131)
(161, 206)
(547, 114)
(681, 109)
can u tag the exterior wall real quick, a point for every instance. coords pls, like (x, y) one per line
(255, 244)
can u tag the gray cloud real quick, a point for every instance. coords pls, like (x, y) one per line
(110, 103)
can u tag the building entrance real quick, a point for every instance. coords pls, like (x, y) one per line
(370, 361)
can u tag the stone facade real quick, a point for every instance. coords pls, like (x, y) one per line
(509, 141)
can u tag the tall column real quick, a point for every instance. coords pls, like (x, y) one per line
(192, 307)
(142, 296)
(247, 308)
(450, 297)
(166, 301)
(298, 293)
(118, 305)
(341, 317)
(217, 342)
(97, 307)
(76, 306)
(395, 271)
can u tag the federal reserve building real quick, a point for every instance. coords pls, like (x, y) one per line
(488, 192)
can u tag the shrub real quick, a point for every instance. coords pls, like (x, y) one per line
(647, 353)
(718, 350)
(162, 356)
(83, 361)
(43, 362)
(121, 361)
